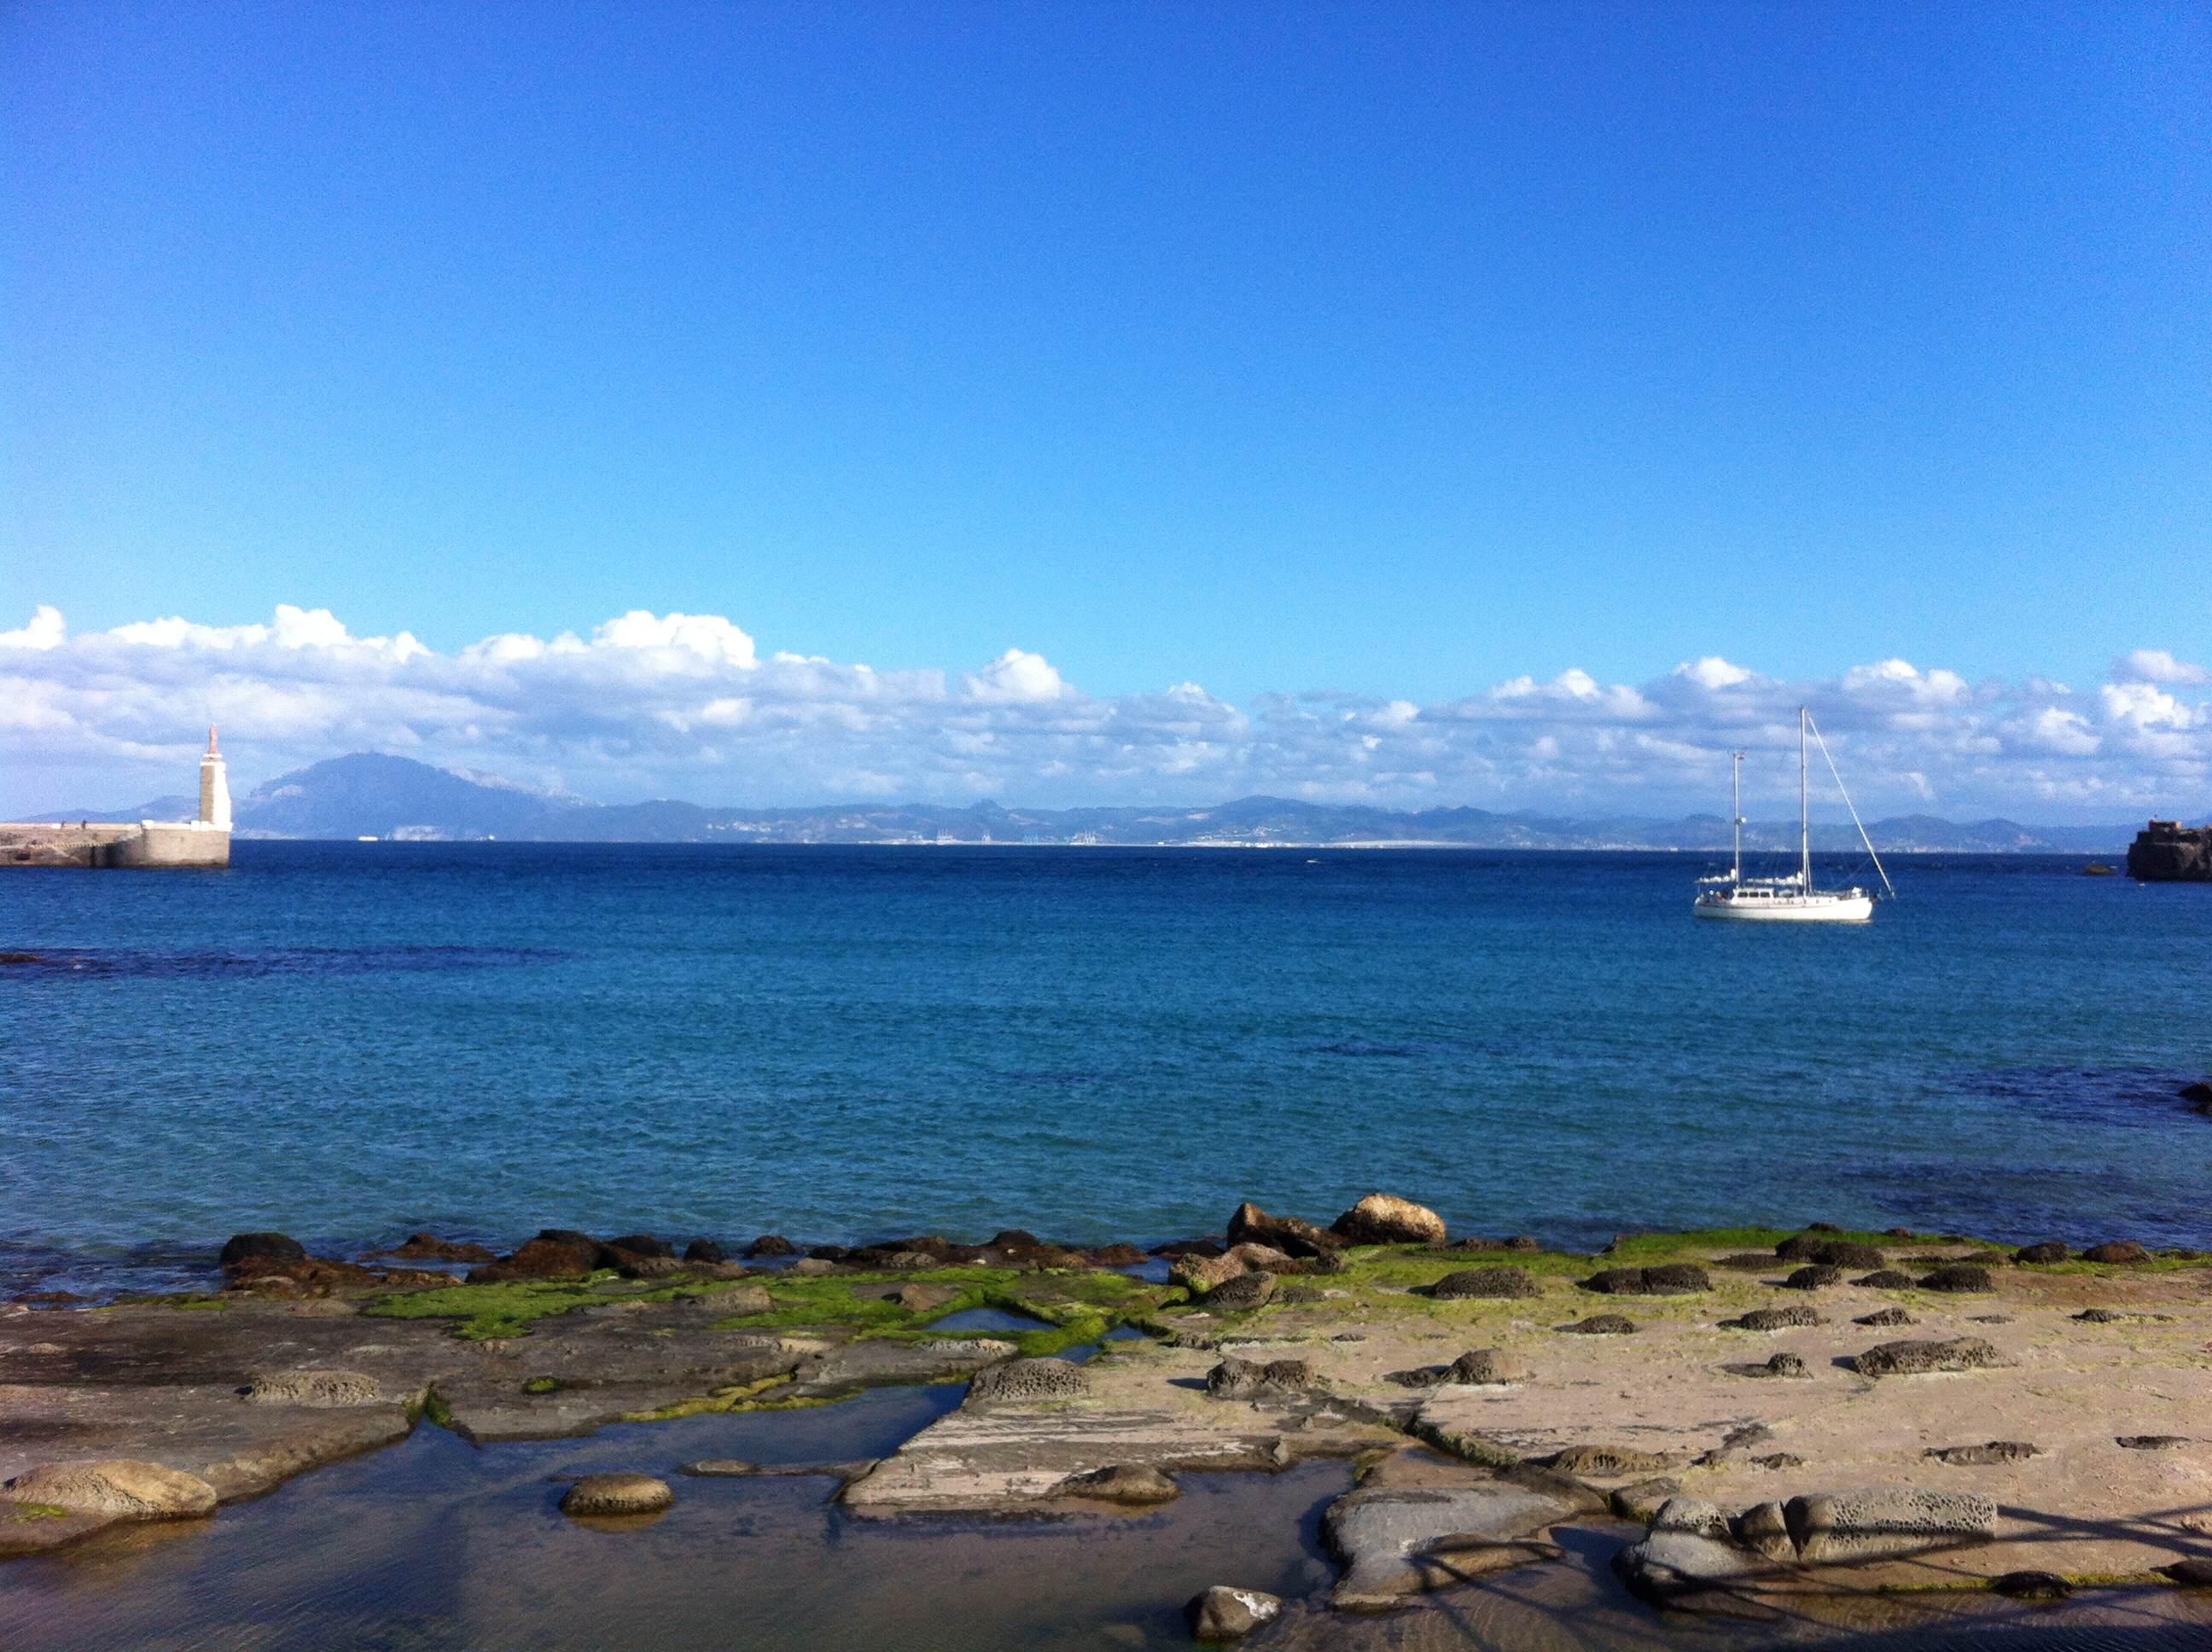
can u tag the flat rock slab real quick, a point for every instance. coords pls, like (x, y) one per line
(1001, 1457)
(1397, 1541)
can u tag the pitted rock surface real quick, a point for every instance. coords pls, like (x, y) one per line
(1884, 1278)
(1243, 1293)
(1774, 1319)
(1601, 1325)
(1920, 1358)
(1501, 1282)
(313, 1388)
(1276, 1380)
(1022, 1381)
(1606, 1462)
(1818, 1276)
(1887, 1520)
(118, 1488)
(1984, 1456)
(1670, 1279)
(1958, 1276)
(1385, 1219)
(1885, 1316)
(599, 1496)
(1478, 1366)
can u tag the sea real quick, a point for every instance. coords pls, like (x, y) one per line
(346, 1042)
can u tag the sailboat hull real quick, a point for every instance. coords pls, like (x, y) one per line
(1787, 908)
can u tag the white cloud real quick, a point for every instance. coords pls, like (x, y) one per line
(686, 704)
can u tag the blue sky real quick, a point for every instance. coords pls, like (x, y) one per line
(1391, 354)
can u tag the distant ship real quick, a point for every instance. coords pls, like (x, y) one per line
(1790, 898)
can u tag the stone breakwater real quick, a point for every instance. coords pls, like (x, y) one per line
(1753, 1413)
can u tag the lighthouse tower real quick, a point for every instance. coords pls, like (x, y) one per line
(215, 787)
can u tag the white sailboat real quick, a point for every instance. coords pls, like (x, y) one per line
(1791, 898)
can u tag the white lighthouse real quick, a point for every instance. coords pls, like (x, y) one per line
(215, 787)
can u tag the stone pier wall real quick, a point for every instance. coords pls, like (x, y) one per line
(133, 843)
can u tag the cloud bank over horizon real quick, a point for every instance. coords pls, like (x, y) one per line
(687, 705)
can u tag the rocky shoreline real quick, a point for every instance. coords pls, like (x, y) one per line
(1772, 1412)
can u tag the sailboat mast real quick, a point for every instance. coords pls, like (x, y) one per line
(1736, 811)
(1804, 818)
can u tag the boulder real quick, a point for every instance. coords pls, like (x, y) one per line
(1782, 1364)
(1958, 1275)
(813, 1266)
(1983, 1456)
(2049, 1251)
(554, 1253)
(1023, 1381)
(1606, 1462)
(1485, 1283)
(1919, 1358)
(321, 1389)
(429, 1248)
(1222, 1613)
(1746, 1261)
(115, 1488)
(598, 1496)
(771, 1244)
(1774, 1319)
(1199, 1274)
(1384, 1219)
(2194, 1573)
(2199, 1094)
(746, 1298)
(269, 1246)
(1885, 1316)
(1693, 1514)
(2119, 1252)
(1640, 1501)
(1763, 1528)
(1817, 1276)
(1887, 1521)
(1400, 1541)
(705, 1250)
(1884, 1278)
(1276, 1381)
(1670, 1279)
(1601, 1325)
(1670, 1564)
(642, 1244)
(1121, 1253)
(1250, 1224)
(1127, 1482)
(1478, 1366)
(1242, 1294)
(1830, 1253)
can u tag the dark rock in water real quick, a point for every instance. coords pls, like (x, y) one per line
(270, 1246)
(642, 1244)
(1958, 1275)
(554, 1253)
(1916, 1358)
(1276, 1379)
(429, 1248)
(2119, 1252)
(1018, 1380)
(1884, 1278)
(1243, 1293)
(817, 1253)
(2198, 1095)
(1670, 1279)
(2194, 1573)
(1606, 1463)
(705, 1250)
(2032, 1586)
(1478, 1366)
(2152, 1442)
(1131, 1482)
(1012, 1239)
(2166, 851)
(1119, 1254)
(1190, 1247)
(1817, 1276)
(1834, 1253)
(1601, 1325)
(1886, 1316)
(1746, 1261)
(1486, 1282)
(601, 1495)
(1982, 1456)
(631, 1266)
(771, 1244)
(2049, 1251)
(1774, 1319)
(1249, 1224)
(1222, 1613)
(1386, 1219)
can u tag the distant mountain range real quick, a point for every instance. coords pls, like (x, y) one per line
(368, 794)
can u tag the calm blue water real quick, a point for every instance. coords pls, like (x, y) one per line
(348, 1041)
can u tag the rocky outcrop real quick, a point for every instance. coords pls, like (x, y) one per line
(1887, 1521)
(117, 1488)
(1249, 1224)
(1692, 1547)
(1385, 1219)
(2168, 852)
(1134, 1483)
(1025, 1382)
(1222, 1613)
(322, 1388)
(1830, 1253)
(266, 1247)
(770, 1244)
(1920, 1358)
(1480, 1283)
(1817, 1276)
(1398, 1540)
(1773, 1319)
(1243, 1293)
(1199, 1273)
(1601, 1325)
(602, 1496)
(1958, 1275)
(1672, 1279)
(554, 1253)
(421, 1246)
(1983, 1456)
(1275, 1381)
(1606, 1462)
(2049, 1251)
(2116, 1253)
